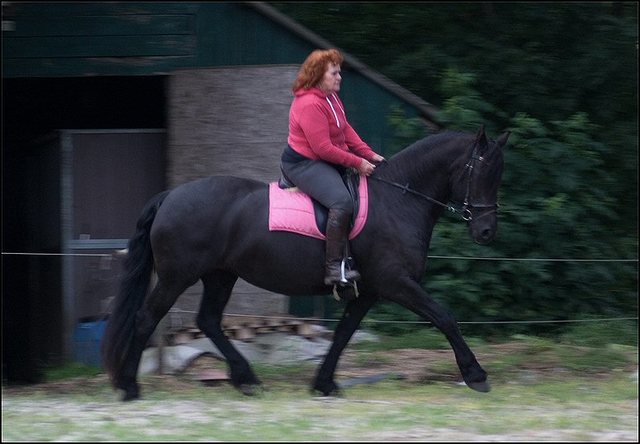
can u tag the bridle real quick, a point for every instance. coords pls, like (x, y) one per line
(465, 210)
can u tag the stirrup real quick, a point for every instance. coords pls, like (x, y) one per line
(343, 272)
(348, 289)
(346, 292)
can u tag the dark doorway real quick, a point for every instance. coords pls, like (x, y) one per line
(33, 112)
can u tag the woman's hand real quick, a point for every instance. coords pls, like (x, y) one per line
(366, 168)
(378, 159)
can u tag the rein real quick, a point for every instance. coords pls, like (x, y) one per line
(406, 189)
(464, 211)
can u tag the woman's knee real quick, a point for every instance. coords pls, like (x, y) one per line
(344, 203)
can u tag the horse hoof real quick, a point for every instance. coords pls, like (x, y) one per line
(332, 391)
(131, 396)
(483, 387)
(249, 389)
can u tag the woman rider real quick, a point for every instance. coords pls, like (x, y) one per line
(321, 145)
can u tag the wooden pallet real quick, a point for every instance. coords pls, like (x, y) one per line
(247, 329)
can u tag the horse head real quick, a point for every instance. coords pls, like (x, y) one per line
(478, 183)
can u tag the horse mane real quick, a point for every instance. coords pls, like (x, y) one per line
(421, 155)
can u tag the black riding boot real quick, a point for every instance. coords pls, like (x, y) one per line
(337, 233)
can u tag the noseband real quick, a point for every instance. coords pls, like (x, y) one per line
(465, 210)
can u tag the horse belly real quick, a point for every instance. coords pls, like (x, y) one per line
(228, 230)
(281, 262)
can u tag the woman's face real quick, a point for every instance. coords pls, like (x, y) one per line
(330, 82)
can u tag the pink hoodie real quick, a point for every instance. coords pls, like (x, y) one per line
(318, 129)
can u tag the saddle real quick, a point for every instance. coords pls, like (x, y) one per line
(351, 180)
(297, 212)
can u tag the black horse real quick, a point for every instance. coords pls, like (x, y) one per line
(215, 229)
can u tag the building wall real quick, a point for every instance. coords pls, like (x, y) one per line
(229, 66)
(86, 39)
(229, 121)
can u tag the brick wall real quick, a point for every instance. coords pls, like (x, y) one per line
(229, 121)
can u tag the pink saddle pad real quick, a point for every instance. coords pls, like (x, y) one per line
(292, 210)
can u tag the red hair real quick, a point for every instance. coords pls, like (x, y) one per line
(314, 67)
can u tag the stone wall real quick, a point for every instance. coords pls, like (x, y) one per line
(228, 121)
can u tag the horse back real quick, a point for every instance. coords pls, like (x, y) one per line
(211, 202)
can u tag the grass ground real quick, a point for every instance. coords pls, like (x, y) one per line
(543, 390)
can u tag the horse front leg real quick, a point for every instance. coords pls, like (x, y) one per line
(416, 299)
(351, 318)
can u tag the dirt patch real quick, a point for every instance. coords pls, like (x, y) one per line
(412, 365)
(421, 365)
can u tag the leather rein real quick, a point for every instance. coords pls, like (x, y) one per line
(463, 211)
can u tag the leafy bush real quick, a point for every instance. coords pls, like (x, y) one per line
(600, 333)
(549, 216)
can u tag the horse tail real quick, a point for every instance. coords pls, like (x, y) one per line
(138, 265)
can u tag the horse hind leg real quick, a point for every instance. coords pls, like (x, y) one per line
(154, 308)
(217, 291)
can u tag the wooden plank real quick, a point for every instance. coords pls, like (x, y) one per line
(244, 334)
(289, 326)
(47, 9)
(117, 25)
(211, 376)
(181, 338)
(98, 46)
(80, 66)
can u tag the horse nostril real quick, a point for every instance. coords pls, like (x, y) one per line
(485, 236)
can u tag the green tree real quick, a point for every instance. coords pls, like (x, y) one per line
(562, 77)
(562, 216)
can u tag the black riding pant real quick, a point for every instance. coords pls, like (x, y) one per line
(319, 179)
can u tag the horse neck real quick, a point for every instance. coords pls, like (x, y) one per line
(428, 165)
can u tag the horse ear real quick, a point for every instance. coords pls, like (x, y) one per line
(502, 140)
(481, 139)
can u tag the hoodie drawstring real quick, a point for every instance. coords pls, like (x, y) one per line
(334, 111)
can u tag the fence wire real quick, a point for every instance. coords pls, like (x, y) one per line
(375, 321)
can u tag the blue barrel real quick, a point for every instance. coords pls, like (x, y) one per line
(87, 339)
